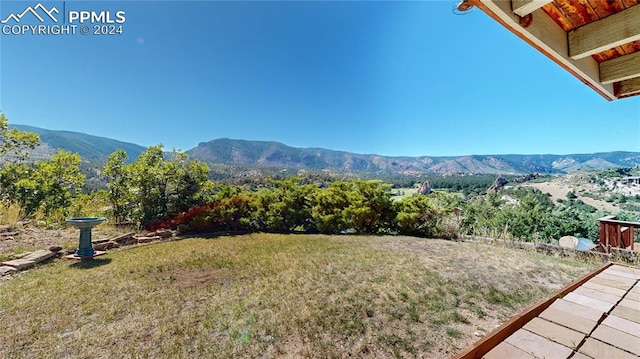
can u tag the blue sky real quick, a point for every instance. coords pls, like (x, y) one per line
(391, 78)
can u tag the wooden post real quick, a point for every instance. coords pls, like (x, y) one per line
(617, 234)
(603, 236)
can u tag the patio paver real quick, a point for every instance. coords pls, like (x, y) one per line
(589, 302)
(506, 350)
(633, 296)
(627, 313)
(557, 333)
(635, 271)
(628, 303)
(597, 349)
(593, 293)
(617, 338)
(569, 320)
(620, 273)
(610, 283)
(537, 345)
(622, 324)
(616, 278)
(577, 309)
(604, 288)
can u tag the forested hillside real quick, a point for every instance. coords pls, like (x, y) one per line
(232, 158)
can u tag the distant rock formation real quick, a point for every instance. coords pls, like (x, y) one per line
(498, 184)
(526, 178)
(425, 188)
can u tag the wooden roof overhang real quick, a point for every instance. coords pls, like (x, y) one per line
(598, 41)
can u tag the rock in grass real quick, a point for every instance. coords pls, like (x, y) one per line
(148, 239)
(8, 235)
(125, 239)
(6, 270)
(40, 256)
(19, 264)
(105, 245)
(164, 233)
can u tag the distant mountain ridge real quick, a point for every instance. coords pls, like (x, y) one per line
(275, 154)
(249, 154)
(89, 147)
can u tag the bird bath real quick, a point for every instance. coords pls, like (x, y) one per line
(84, 224)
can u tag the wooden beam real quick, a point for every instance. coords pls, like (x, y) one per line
(547, 37)
(484, 345)
(621, 68)
(525, 7)
(615, 30)
(630, 87)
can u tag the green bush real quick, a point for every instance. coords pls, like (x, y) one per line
(417, 216)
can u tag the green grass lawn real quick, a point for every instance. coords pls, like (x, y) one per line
(399, 193)
(266, 295)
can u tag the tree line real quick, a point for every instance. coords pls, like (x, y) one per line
(160, 189)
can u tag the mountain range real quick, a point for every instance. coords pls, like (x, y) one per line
(89, 147)
(263, 154)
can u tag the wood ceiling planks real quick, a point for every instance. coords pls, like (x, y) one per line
(577, 13)
(606, 8)
(571, 14)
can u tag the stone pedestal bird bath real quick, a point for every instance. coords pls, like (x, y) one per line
(85, 248)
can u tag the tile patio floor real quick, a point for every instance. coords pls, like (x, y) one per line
(599, 319)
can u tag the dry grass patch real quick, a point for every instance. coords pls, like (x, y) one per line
(275, 296)
(558, 189)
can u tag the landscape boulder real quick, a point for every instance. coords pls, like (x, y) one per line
(498, 184)
(425, 188)
(569, 242)
(529, 177)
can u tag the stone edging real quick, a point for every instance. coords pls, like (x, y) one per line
(127, 239)
(30, 260)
